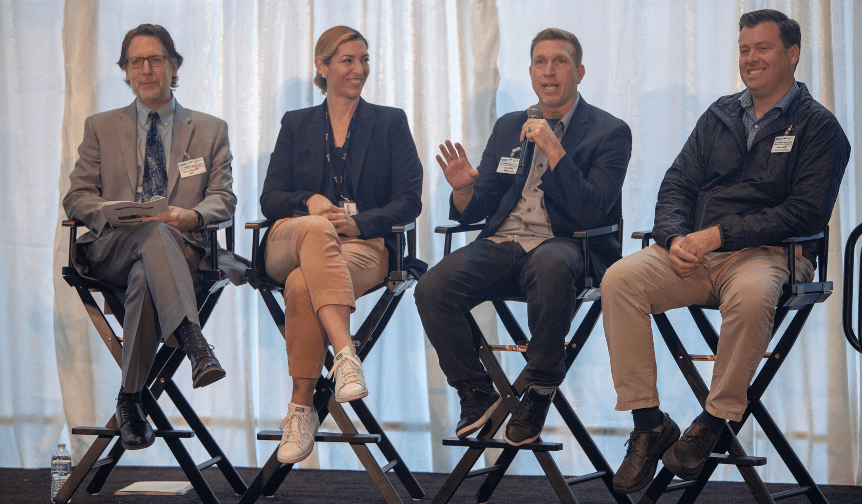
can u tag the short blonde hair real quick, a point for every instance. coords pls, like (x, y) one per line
(327, 46)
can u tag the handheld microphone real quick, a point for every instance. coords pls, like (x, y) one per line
(534, 112)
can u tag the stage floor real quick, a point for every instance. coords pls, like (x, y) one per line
(26, 486)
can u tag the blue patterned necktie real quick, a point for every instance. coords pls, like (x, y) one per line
(154, 165)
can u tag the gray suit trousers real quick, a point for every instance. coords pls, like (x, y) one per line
(147, 263)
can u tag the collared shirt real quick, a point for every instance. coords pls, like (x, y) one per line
(529, 224)
(165, 129)
(754, 125)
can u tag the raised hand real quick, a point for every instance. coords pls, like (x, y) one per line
(456, 168)
(458, 172)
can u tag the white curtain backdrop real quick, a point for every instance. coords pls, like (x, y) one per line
(454, 67)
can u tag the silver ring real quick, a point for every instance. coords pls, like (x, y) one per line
(529, 129)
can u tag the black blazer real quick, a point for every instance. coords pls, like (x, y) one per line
(386, 171)
(582, 192)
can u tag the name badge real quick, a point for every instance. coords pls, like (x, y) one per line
(349, 207)
(508, 165)
(783, 144)
(192, 167)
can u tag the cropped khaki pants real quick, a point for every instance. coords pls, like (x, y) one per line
(318, 268)
(745, 286)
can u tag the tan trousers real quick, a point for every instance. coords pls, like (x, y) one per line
(745, 285)
(318, 268)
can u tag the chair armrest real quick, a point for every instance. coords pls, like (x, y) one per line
(791, 241)
(256, 226)
(589, 233)
(643, 236)
(454, 228)
(210, 232)
(259, 224)
(73, 236)
(401, 231)
(585, 235)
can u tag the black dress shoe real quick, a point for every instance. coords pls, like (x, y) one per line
(528, 420)
(688, 455)
(646, 447)
(206, 369)
(476, 408)
(136, 433)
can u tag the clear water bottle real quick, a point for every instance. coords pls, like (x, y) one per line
(61, 468)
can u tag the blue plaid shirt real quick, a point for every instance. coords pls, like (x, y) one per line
(752, 124)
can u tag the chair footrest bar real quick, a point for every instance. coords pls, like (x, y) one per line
(109, 433)
(790, 493)
(324, 437)
(482, 471)
(388, 467)
(209, 463)
(746, 461)
(574, 480)
(103, 461)
(500, 443)
(682, 485)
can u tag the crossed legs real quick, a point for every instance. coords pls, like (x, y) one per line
(323, 274)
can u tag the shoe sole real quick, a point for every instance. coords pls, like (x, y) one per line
(296, 460)
(208, 378)
(640, 484)
(344, 399)
(519, 443)
(473, 427)
(682, 472)
(136, 447)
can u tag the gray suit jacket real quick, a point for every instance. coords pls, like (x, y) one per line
(107, 170)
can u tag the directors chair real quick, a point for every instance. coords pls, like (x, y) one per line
(799, 298)
(212, 282)
(407, 271)
(588, 293)
(851, 285)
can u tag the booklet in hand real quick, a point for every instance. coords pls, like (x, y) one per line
(126, 213)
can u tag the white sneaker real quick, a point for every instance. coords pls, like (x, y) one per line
(299, 426)
(349, 380)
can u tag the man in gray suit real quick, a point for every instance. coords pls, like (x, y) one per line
(150, 149)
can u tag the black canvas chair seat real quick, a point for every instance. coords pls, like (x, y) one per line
(799, 299)
(408, 269)
(510, 392)
(160, 380)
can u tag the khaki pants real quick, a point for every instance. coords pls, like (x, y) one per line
(318, 268)
(745, 286)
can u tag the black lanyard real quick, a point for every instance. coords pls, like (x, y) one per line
(338, 167)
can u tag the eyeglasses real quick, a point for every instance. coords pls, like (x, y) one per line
(156, 60)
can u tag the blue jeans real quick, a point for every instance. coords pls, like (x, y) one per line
(485, 270)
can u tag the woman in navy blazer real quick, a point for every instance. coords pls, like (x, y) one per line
(354, 168)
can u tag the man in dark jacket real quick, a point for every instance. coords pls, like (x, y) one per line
(526, 247)
(760, 165)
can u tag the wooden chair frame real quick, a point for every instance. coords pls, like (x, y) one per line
(589, 292)
(160, 380)
(399, 281)
(797, 297)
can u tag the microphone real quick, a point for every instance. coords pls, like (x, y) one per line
(534, 112)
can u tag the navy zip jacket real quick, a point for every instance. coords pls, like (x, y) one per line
(755, 197)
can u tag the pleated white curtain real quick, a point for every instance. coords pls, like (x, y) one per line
(453, 67)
